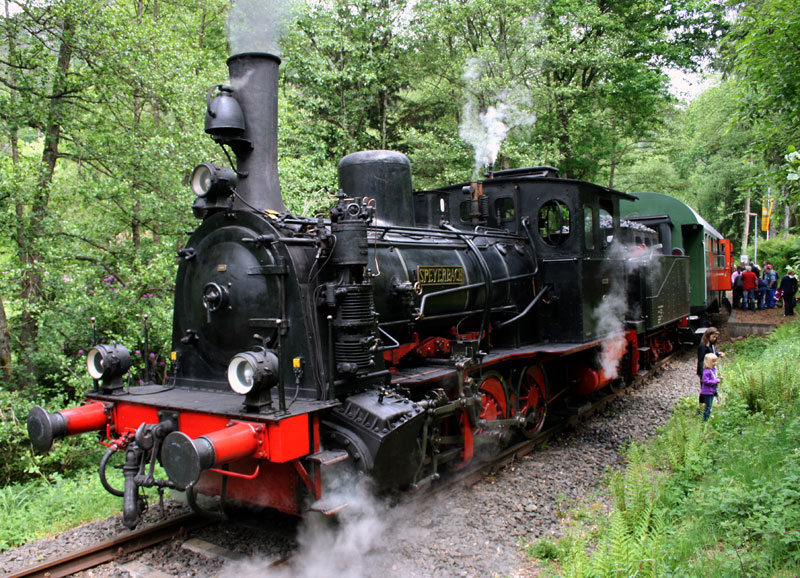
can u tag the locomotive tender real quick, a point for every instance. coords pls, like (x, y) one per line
(397, 338)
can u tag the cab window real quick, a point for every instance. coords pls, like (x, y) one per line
(504, 209)
(606, 223)
(554, 222)
(588, 227)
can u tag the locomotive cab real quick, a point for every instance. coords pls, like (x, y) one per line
(576, 234)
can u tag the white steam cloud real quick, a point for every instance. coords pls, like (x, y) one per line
(333, 548)
(258, 25)
(486, 129)
(610, 315)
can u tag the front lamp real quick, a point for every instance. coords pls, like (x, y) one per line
(108, 363)
(252, 374)
(212, 180)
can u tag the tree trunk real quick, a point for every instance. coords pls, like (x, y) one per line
(564, 144)
(611, 174)
(30, 228)
(384, 114)
(5, 344)
(746, 235)
(5, 334)
(787, 219)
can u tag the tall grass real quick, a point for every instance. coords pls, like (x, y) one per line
(52, 504)
(712, 499)
(39, 509)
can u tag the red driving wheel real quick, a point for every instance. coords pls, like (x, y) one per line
(493, 398)
(532, 399)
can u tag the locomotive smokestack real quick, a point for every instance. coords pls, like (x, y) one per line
(254, 79)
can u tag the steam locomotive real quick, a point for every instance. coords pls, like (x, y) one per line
(399, 338)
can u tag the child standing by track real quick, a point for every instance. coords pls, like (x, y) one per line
(708, 384)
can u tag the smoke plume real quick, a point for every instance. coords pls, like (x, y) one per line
(610, 314)
(258, 25)
(487, 118)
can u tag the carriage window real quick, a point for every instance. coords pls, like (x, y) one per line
(719, 254)
(588, 227)
(720, 259)
(554, 222)
(463, 211)
(504, 209)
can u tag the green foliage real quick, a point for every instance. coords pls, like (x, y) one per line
(745, 510)
(764, 33)
(715, 498)
(347, 64)
(769, 386)
(97, 238)
(765, 391)
(792, 166)
(20, 464)
(589, 72)
(754, 56)
(683, 444)
(782, 252)
(702, 156)
(36, 510)
(545, 549)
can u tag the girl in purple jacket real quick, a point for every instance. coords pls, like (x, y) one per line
(708, 383)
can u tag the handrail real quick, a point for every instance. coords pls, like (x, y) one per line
(525, 311)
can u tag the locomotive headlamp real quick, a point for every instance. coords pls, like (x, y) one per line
(252, 369)
(212, 180)
(108, 363)
(252, 374)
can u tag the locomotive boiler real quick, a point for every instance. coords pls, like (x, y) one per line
(399, 337)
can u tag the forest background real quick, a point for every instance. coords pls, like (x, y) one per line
(102, 106)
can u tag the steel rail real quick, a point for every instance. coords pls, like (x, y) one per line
(108, 550)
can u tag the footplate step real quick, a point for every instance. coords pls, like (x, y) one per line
(328, 506)
(329, 457)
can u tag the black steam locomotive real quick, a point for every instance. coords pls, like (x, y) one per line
(397, 338)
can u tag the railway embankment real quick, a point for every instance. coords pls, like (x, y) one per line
(715, 498)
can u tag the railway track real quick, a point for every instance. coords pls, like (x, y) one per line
(112, 548)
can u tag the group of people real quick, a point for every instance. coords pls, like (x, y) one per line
(756, 292)
(752, 290)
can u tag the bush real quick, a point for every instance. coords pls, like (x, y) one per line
(781, 252)
(764, 377)
(20, 464)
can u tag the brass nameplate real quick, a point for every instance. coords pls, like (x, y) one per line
(428, 275)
